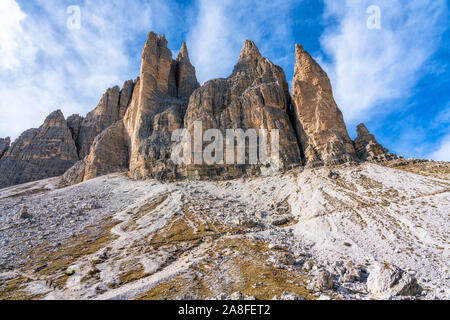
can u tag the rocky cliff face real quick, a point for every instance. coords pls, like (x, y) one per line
(109, 153)
(320, 123)
(255, 96)
(39, 153)
(368, 148)
(4, 145)
(110, 109)
(74, 123)
(131, 128)
(157, 107)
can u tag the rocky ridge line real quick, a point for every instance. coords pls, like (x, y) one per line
(131, 127)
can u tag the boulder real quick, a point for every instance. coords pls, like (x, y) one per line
(324, 280)
(386, 281)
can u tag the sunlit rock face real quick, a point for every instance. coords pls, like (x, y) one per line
(255, 96)
(157, 107)
(132, 128)
(319, 122)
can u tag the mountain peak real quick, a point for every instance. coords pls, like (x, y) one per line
(362, 129)
(183, 52)
(249, 50)
(56, 118)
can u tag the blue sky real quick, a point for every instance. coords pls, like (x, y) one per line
(395, 79)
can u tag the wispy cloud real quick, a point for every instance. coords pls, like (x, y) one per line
(443, 152)
(370, 67)
(221, 26)
(44, 65)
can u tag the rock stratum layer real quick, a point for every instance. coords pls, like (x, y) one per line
(131, 128)
(39, 153)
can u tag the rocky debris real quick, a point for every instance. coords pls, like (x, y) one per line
(324, 280)
(386, 281)
(319, 122)
(348, 272)
(333, 175)
(280, 221)
(368, 149)
(235, 296)
(39, 153)
(289, 296)
(110, 109)
(308, 265)
(287, 259)
(4, 145)
(255, 96)
(226, 255)
(23, 213)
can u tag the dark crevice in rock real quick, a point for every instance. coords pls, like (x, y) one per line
(4, 145)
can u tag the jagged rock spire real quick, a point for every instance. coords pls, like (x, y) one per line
(185, 75)
(183, 52)
(320, 123)
(249, 57)
(56, 118)
(157, 105)
(157, 73)
(255, 96)
(367, 147)
(249, 50)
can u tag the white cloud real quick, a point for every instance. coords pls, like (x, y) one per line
(443, 153)
(221, 26)
(369, 67)
(44, 65)
(14, 46)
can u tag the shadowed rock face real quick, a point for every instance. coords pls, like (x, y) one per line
(185, 74)
(39, 153)
(110, 109)
(319, 122)
(109, 153)
(74, 123)
(4, 145)
(255, 96)
(367, 147)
